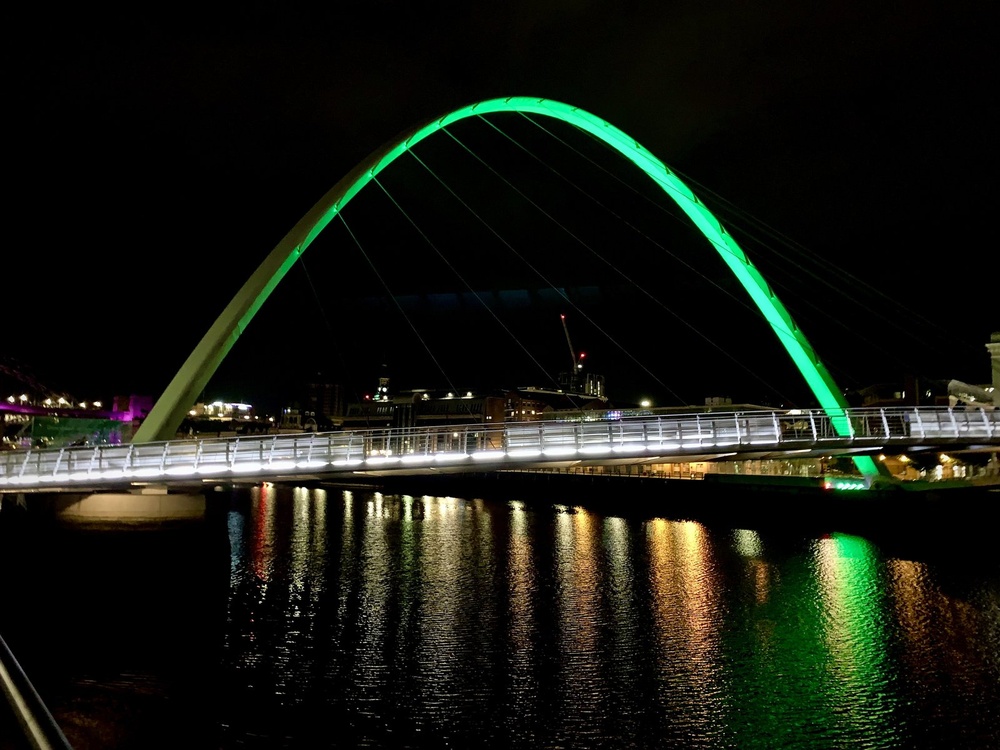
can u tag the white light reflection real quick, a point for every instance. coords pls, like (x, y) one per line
(559, 451)
(522, 590)
(371, 564)
(748, 543)
(416, 458)
(594, 449)
(480, 455)
(382, 460)
(524, 453)
(311, 464)
(247, 468)
(448, 599)
(578, 585)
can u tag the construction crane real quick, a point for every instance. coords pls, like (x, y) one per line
(576, 363)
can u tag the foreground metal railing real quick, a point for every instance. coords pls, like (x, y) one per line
(593, 438)
(40, 730)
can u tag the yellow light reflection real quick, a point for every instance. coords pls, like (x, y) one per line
(578, 610)
(685, 587)
(521, 587)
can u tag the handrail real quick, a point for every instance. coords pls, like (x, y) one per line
(39, 727)
(646, 435)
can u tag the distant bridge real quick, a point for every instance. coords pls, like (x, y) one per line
(171, 407)
(638, 440)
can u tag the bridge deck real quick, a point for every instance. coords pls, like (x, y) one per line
(645, 439)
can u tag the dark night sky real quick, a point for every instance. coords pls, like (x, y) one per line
(156, 159)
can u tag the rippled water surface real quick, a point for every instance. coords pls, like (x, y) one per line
(320, 618)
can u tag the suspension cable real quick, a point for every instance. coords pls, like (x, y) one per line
(631, 281)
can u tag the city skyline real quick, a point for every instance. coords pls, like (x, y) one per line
(167, 162)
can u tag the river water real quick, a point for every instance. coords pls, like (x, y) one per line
(330, 618)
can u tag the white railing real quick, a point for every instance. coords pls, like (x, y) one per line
(474, 447)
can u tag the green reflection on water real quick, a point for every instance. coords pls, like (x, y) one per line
(812, 642)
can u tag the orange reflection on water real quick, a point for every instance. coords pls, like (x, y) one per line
(685, 587)
(939, 629)
(577, 583)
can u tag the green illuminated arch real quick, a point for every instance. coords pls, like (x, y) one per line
(170, 409)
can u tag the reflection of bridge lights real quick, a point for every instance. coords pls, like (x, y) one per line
(479, 455)
(596, 449)
(447, 457)
(845, 483)
(311, 464)
(416, 458)
(382, 460)
(559, 451)
(748, 543)
(247, 468)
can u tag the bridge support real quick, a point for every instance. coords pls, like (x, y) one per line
(150, 505)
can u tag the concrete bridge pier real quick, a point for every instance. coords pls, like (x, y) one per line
(153, 504)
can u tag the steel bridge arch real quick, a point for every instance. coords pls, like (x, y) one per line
(170, 409)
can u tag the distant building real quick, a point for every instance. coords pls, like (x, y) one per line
(994, 349)
(425, 408)
(913, 391)
(324, 402)
(222, 418)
